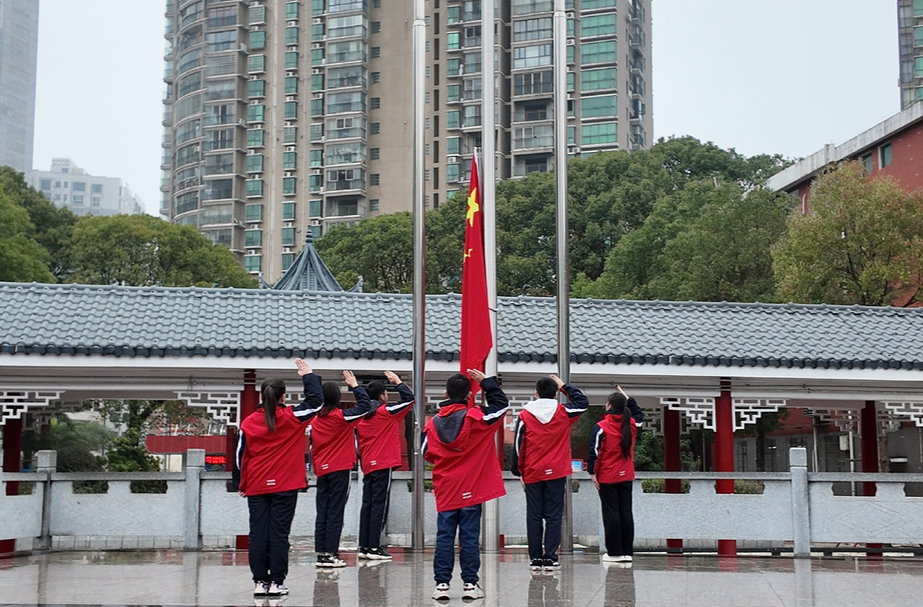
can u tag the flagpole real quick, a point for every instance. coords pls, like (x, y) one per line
(487, 171)
(419, 271)
(563, 272)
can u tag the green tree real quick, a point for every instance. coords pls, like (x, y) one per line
(860, 243)
(21, 258)
(141, 250)
(50, 225)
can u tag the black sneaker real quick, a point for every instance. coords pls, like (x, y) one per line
(552, 565)
(323, 560)
(377, 554)
(363, 553)
(536, 564)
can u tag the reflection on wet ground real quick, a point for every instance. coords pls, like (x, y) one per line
(169, 577)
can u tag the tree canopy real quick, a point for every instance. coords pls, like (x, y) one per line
(859, 244)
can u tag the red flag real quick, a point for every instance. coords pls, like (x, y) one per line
(476, 338)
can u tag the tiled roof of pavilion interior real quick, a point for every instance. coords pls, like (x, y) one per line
(77, 320)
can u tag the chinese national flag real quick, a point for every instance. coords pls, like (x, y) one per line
(476, 339)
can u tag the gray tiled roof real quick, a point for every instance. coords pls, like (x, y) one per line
(310, 273)
(151, 322)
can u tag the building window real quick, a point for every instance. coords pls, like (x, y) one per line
(452, 92)
(595, 134)
(257, 14)
(452, 119)
(315, 183)
(452, 15)
(530, 56)
(255, 138)
(376, 52)
(317, 82)
(533, 84)
(257, 41)
(375, 128)
(375, 103)
(256, 88)
(255, 113)
(591, 4)
(254, 187)
(597, 52)
(290, 134)
(255, 163)
(314, 208)
(376, 27)
(96, 188)
(291, 35)
(376, 77)
(317, 107)
(288, 211)
(316, 132)
(594, 80)
(884, 155)
(918, 36)
(253, 238)
(374, 179)
(252, 263)
(287, 260)
(532, 29)
(291, 110)
(451, 173)
(342, 77)
(254, 212)
(601, 25)
(353, 25)
(524, 7)
(289, 161)
(373, 204)
(533, 137)
(374, 153)
(288, 237)
(316, 158)
(220, 41)
(291, 10)
(256, 64)
(867, 163)
(594, 107)
(291, 85)
(317, 31)
(317, 57)
(917, 8)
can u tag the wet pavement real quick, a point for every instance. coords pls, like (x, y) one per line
(169, 577)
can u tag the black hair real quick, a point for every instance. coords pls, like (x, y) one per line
(619, 407)
(332, 395)
(271, 390)
(457, 387)
(546, 388)
(376, 389)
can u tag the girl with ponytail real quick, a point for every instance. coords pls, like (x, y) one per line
(269, 472)
(611, 465)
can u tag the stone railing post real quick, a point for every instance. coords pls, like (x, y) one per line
(801, 504)
(46, 462)
(195, 464)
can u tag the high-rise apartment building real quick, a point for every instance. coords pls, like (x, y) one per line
(284, 117)
(910, 42)
(18, 54)
(69, 186)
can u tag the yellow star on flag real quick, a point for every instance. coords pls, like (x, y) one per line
(473, 206)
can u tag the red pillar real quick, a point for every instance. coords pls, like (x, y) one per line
(249, 399)
(12, 462)
(724, 453)
(671, 460)
(868, 422)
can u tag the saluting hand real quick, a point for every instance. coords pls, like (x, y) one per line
(619, 388)
(476, 375)
(557, 380)
(393, 378)
(303, 367)
(350, 379)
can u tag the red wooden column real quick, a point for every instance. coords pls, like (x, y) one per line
(670, 421)
(868, 426)
(249, 399)
(724, 453)
(12, 461)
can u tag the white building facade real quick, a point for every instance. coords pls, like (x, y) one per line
(69, 186)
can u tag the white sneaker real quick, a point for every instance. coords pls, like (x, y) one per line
(334, 560)
(623, 559)
(472, 591)
(607, 558)
(260, 589)
(442, 591)
(277, 589)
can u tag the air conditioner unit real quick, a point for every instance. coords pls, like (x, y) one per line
(287, 123)
(318, 95)
(571, 42)
(243, 47)
(290, 98)
(573, 149)
(317, 45)
(254, 102)
(289, 148)
(292, 23)
(251, 152)
(318, 20)
(316, 171)
(254, 77)
(290, 74)
(315, 70)
(452, 159)
(287, 174)
(241, 122)
(315, 222)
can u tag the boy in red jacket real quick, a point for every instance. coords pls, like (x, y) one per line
(460, 443)
(379, 435)
(542, 459)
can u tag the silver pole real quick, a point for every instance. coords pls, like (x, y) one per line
(563, 275)
(419, 269)
(487, 168)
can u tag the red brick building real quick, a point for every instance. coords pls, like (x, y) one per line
(893, 147)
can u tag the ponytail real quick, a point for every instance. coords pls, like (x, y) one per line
(619, 404)
(272, 390)
(332, 395)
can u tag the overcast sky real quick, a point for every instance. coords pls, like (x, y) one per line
(761, 76)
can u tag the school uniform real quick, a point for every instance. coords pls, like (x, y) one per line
(269, 470)
(542, 457)
(333, 456)
(379, 435)
(461, 444)
(615, 472)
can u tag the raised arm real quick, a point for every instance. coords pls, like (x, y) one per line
(577, 403)
(497, 402)
(313, 394)
(363, 402)
(405, 396)
(632, 404)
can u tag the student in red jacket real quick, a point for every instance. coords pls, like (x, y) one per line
(460, 443)
(333, 455)
(269, 472)
(379, 435)
(542, 458)
(611, 464)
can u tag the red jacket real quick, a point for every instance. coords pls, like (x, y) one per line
(460, 443)
(273, 462)
(380, 432)
(333, 442)
(542, 442)
(606, 459)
